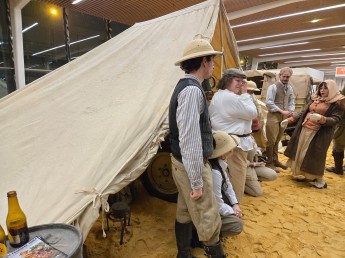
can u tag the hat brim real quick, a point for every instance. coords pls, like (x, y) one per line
(254, 89)
(200, 54)
(221, 151)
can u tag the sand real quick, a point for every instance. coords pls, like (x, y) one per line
(290, 219)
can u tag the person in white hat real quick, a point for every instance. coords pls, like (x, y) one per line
(191, 145)
(228, 205)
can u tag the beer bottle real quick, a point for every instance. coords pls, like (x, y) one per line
(3, 248)
(17, 229)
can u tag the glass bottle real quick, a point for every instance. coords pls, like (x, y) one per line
(17, 229)
(3, 248)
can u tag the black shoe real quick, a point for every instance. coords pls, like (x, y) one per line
(305, 180)
(318, 187)
(330, 169)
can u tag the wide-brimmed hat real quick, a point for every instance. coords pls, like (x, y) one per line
(224, 143)
(252, 86)
(197, 48)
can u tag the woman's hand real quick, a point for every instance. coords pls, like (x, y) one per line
(237, 210)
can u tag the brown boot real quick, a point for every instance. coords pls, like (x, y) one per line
(278, 164)
(269, 154)
(338, 162)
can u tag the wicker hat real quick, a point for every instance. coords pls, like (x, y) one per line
(197, 48)
(252, 86)
(224, 143)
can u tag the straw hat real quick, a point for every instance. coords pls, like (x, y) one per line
(224, 143)
(197, 48)
(252, 86)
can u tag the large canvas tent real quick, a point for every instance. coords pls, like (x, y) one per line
(91, 127)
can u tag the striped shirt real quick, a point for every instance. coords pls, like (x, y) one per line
(190, 106)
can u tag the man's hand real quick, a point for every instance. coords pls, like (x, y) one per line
(284, 123)
(196, 194)
(286, 113)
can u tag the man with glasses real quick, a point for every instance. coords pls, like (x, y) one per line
(280, 105)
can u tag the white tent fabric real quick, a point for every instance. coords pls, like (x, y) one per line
(95, 123)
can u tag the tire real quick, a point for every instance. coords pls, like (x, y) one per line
(157, 179)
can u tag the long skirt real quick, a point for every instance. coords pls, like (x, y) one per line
(304, 141)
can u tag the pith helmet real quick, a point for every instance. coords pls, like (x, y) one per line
(197, 48)
(224, 143)
(252, 86)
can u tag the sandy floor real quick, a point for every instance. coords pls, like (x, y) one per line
(291, 219)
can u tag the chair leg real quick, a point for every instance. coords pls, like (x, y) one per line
(122, 232)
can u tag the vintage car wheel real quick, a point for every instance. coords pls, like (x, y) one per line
(158, 180)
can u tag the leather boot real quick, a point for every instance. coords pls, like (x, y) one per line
(269, 154)
(195, 243)
(278, 164)
(214, 251)
(338, 162)
(276, 161)
(183, 233)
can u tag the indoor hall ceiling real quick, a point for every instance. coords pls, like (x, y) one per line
(330, 41)
(125, 11)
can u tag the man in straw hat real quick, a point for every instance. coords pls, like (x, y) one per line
(191, 145)
(280, 104)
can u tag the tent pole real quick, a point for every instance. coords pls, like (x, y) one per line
(221, 40)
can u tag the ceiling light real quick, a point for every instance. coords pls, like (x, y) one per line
(285, 45)
(30, 27)
(76, 1)
(324, 54)
(315, 20)
(294, 32)
(290, 52)
(72, 43)
(290, 15)
(53, 11)
(323, 59)
(334, 62)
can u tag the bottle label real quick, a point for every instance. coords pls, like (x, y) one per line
(3, 250)
(18, 236)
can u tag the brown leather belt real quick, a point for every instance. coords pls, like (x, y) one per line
(242, 135)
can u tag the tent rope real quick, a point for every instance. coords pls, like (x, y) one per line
(98, 197)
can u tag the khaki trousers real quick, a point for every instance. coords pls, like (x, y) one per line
(204, 212)
(237, 171)
(253, 186)
(231, 225)
(274, 131)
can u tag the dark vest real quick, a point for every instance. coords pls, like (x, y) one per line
(282, 97)
(204, 121)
